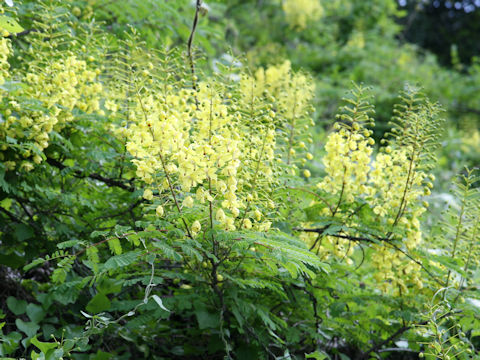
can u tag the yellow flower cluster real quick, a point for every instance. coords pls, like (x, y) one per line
(66, 83)
(5, 50)
(202, 143)
(58, 88)
(347, 163)
(300, 12)
(290, 94)
(395, 182)
(398, 185)
(390, 184)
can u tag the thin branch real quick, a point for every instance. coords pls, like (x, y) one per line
(387, 241)
(94, 176)
(190, 42)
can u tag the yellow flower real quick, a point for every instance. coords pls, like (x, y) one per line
(257, 214)
(196, 226)
(299, 12)
(188, 202)
(159, 211)
(148, 194)
(220, 215)
(247, 223)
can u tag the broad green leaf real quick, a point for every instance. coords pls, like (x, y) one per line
(10, 342)
(9, 24)
(317, 355)
(29, 328)
(98, 303)
(54, 354)
(108, 286)
(44, 347)
(122, 260)
(18, 307)
(207, 320)
(35, 313)
(23, 232)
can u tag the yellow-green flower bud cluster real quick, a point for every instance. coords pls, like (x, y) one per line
(5, 50)
(202, 146)
(391, 184)
(347, 164)
(290, 94)
(300, 12)
(64, 85)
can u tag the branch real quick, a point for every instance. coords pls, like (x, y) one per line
(22, 33)
(387, 241)
(190, 42)
(94, 176)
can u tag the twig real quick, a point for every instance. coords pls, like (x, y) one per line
(94, 176)
(190, 42)
(386, 240)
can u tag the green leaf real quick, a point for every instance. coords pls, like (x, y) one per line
(317, 355)
(44, 347)
(23, 232)
(101, 355)
(207, 320)
(108, 286)
(18, 307)
(29, 328)
(10, 342)
(54, 354)
(68, 244)
(35, 313)
(99, 303)
(168, 251)
(115, 246)
(12, 260)
(34, 263)
(122, 260)
(9, 24)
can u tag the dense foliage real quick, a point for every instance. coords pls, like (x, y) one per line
(177, 183)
